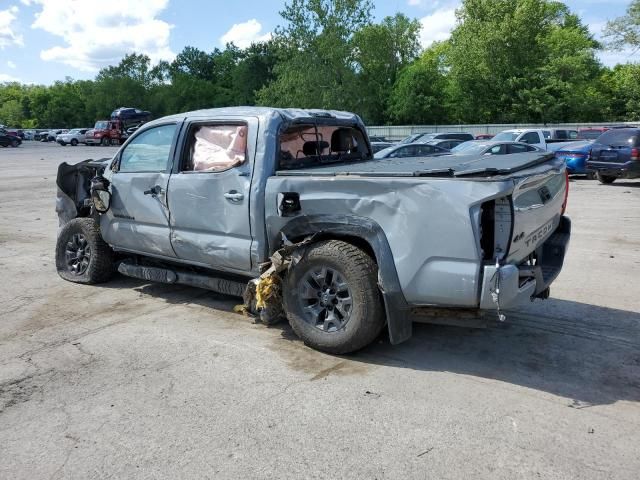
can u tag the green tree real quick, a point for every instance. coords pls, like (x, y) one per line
(518, 60)
(381, 51)
(316, 54)
(625, 31)
(11, 113)
(419, 93)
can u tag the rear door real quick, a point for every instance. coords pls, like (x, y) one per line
(209, 193)
(138, 219)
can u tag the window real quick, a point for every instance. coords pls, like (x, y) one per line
(425, 150)
(620, 138)
(304, 146)
(148, 151)
(546, 134)
(408, 151)
(515, 148)
(572, 134)
(214, 148)
(531, 137)
(496, 150)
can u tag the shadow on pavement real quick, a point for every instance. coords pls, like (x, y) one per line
(584, 352)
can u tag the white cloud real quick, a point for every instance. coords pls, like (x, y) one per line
(8, 35)
(244, 34)
(437, 26)
(94, 36)
(10, 64)
(8, 78)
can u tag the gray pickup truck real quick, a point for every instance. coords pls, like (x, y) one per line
(216, 198)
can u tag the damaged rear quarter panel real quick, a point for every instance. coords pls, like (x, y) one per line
(431, 226)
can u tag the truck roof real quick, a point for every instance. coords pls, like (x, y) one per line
(286, 114)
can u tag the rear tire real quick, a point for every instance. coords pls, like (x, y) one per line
(105, 142)
(605, 179)
(15, 143)
(82, 256)
(74, 142)
(331, 298)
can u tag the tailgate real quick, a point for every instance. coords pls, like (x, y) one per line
(537, 201)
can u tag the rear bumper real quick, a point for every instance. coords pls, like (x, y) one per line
(93, 141)
(510, 285)
(630, 169)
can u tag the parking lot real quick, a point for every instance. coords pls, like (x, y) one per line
(135, 380)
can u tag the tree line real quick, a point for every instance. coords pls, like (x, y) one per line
(507, 61)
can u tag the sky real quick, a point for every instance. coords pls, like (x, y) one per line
(46, 40)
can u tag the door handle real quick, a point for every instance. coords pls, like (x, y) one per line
(234, 196)
(153, 191)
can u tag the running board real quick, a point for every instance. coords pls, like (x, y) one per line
(165, 275)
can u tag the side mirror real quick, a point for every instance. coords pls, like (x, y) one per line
(100, 194)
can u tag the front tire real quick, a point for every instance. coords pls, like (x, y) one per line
(82, 256)
(15, 143)
(605, 179)
(332, 300)
(105, 142)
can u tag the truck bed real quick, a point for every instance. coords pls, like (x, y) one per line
(443, 166)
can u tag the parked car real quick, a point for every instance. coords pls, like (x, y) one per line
(493, 147)
(446, 144)
(559, 134)
(591, 133)
(29, 134)
(425, 137)
(73, 137)
(51, 135)
(575, 156)
(530, 136)
(410, 150)
(377, 146)
(616, 154)
(7, 140)
(484, 136)
(378, 138)
(128, 115)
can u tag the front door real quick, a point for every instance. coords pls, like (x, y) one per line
(209, 194)
(138, 219)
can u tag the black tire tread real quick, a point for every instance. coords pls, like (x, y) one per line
(605, 179)
(101, 267)
(363, 266)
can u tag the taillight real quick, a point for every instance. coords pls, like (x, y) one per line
(635, 154)
(566, 191)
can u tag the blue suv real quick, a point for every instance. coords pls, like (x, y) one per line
(616, 154)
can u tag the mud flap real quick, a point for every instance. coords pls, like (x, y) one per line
(398, 316)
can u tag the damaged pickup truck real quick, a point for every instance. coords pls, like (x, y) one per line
(290, 205)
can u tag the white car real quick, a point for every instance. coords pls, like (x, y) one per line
(73, 137)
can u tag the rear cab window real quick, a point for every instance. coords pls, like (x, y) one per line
(310, 145)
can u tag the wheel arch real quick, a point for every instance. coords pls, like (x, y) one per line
(369, 236)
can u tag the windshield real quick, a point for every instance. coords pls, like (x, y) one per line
(75, 130)
(101, 125)
(411, 138)
(469, 148)
(507, 136)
